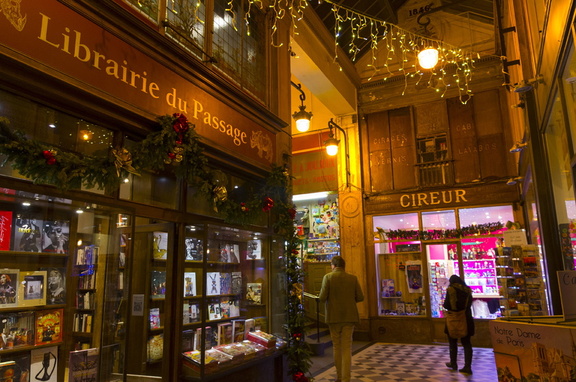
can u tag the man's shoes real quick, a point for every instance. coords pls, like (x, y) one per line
(466, 370)
(451, 365)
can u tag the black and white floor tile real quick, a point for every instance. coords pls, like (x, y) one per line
(403, 362)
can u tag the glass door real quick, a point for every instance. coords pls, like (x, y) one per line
(441, 260)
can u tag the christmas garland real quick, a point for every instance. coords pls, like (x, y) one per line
(176, 146)
(476, 229)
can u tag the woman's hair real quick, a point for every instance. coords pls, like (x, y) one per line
(455, 279)
(8, 279)
(338, 261)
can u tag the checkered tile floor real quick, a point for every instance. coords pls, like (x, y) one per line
(400, 362)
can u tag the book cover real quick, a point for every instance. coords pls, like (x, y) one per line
(56, 286)
(189, 284)
(55, 236)
(188, 340)
(27, 234)
(191, 313)
(254, 251)
(238, 330)
(31, 289)
(214, 311)
(155, 347)
(262, 338)
(160, 245)
(254, 293)
(194, 249)
(15, 368)
(49, 326)
(224, 253)
(83, 365)
(155, 318)
(236, 282)
(249, 324)
(5, 230)
(224, 308)
(234, 308)
(224, 333)
(16, 329)
(44, 364)
(8, 287)
(225, 283)
(158, 284)
(261, 323)
(213, 283)
(234, 253)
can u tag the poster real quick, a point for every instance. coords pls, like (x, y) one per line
(44, 364)
(414, 276)
(83, 365)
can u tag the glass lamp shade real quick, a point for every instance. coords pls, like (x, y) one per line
(302, 118)
(331, 145)
(428, 58)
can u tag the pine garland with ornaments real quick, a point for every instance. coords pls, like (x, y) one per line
(176, 146)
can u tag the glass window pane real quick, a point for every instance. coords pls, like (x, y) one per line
(438, 220)
(485, 215)
(187, 24)
(146, 7)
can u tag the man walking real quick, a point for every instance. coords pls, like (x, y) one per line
(341, 291)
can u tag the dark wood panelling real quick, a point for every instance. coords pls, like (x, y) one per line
(379, 150)
(431, 118)
(491, 151)
(403, 148)
(463, 141)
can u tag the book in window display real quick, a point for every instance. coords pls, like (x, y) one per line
(238, 330)
(84, 365)
(27, 234)
(224, 333)
(16, 329)
(234, 308)
(49, 326)
(160, 245)
(158, 284)
(194, 249)
(191, 313)
(254, 251)
(8, 288)
(5, 230)
(155, 318)
(213, 280)
(55, 236)
(31, 289)
(254, 293)
(44, 364)
(56, 286)
(15, 368)
(189, 284)
(214, 312)
(155, 347)
(236, 282)
(225, 308)
(225, 283)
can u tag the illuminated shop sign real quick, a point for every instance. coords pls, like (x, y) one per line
(81, 52)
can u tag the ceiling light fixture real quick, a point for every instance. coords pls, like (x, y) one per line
(302, 117)
(428, 58)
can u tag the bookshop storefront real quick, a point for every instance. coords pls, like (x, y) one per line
(129, 268)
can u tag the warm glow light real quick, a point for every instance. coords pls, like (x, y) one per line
(312, 196)
(302, 125)
(86, 135)
(428, 58)
(331, 145)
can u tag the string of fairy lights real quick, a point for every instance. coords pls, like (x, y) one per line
(394, 51)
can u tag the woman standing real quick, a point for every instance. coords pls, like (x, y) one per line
(458, 299)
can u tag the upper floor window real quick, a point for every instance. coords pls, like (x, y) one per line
(233, 39)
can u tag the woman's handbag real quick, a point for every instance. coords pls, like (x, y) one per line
(456, 323)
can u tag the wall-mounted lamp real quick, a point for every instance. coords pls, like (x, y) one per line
(302, 117)
(527, 85)
(428, 58)
(513, 181)
(331, 145)
(518, 146)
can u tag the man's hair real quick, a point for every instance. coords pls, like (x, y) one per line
(338, 261)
